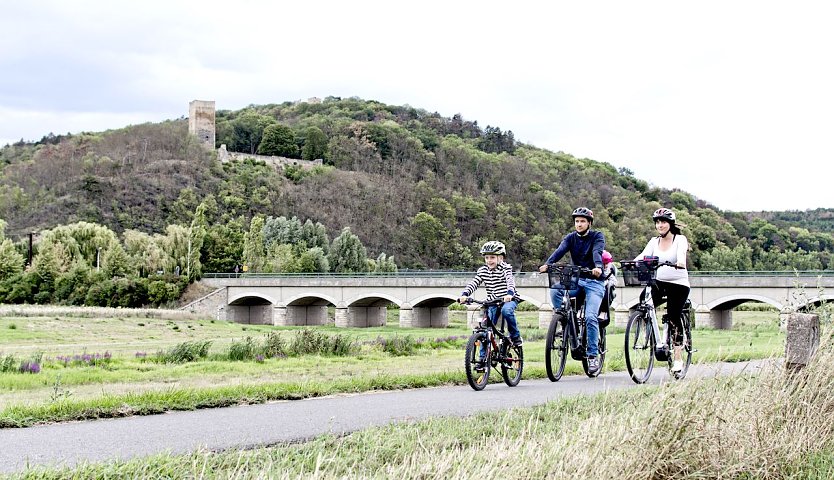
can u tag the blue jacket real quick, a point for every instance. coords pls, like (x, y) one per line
(585, 250)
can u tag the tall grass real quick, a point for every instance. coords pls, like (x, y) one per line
(772, 425)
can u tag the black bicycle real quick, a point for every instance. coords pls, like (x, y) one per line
(642, 335)
(488, 347)
(567, 328)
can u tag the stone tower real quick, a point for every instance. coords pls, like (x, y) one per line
(201, 121)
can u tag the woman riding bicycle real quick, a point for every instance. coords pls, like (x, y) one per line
(585, 247)
(672, 283)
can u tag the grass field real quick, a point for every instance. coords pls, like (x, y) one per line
(775, 425)
(128, 377)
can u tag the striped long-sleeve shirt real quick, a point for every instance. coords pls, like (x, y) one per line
(497, 282)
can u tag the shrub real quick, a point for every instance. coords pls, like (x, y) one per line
(243, 350)
(274, 345)
(185, 352)
(309, 341)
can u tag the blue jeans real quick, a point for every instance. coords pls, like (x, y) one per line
(594, 291)
(508, 312)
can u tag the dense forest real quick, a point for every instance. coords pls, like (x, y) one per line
(399, 188)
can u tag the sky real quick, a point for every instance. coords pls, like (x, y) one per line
(731, 101)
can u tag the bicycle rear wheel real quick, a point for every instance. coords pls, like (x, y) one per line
(639, 347)
(477, 370)
(512, 363)
(556, 347)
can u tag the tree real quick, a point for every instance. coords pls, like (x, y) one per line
(315, 144)
(254, 254)
(347, 254)
(11, 262)
(248, 130)
(278, 140)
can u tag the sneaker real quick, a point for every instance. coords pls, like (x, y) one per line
(677, 365)
(593, 364)
(517, 342)
(480, 365)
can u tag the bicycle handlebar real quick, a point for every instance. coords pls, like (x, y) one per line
(487, 303)
(583, 271)
(652, 265)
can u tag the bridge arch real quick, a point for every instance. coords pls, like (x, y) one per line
(815, 301)
(373, 299)
(728, 302)
(434, 300)
(305, 299)
(251, 298)
(250, 308)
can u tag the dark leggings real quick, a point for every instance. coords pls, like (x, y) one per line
(676, 296)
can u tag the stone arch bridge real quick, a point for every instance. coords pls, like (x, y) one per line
(423, 298)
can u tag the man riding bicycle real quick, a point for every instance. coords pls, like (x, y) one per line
(585, 247)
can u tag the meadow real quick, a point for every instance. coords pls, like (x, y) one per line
(127, 363)
(774, 425)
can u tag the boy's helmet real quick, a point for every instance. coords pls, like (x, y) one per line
(493, 248)
(606, 257)
(584, 212)
(664, 214)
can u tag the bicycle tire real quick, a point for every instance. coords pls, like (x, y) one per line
(556, 347)
(639, 347)
(511, 370)
(477, 380)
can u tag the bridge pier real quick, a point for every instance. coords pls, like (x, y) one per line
(473, 315)
(297, 315)
(719, 319)
(430, 317)
(621, 313)
(545, 316)
(406, 316)
(361, 316)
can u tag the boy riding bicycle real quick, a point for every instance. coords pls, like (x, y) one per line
(497, 277)
(585, 247)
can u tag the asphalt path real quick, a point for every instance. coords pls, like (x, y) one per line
(247, 426)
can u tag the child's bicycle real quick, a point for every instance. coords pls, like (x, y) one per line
(567, 328)
(489, 347)
(643, 340)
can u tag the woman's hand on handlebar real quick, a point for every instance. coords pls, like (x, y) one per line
(543, 268)
(596, 272)
(463, 300)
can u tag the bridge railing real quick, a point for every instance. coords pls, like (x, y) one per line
(470, 273)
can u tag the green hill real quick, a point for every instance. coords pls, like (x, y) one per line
(424, 188)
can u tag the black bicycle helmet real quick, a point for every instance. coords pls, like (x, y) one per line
(493, 248)
(584, 212)
(664, 214)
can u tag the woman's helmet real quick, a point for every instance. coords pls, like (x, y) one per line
(664, 214)
(584, 212)
(493, 248)
(606, 257)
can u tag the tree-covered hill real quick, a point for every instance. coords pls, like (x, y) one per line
(415, 185)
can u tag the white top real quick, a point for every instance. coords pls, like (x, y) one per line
(675, 254)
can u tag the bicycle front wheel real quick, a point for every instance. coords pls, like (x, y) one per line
(556, 347)
(477, 367)
(639, 347)
(512, 363)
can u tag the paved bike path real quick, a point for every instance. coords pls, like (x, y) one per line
(68, 444)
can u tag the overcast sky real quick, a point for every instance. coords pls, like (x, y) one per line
(731, 101)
